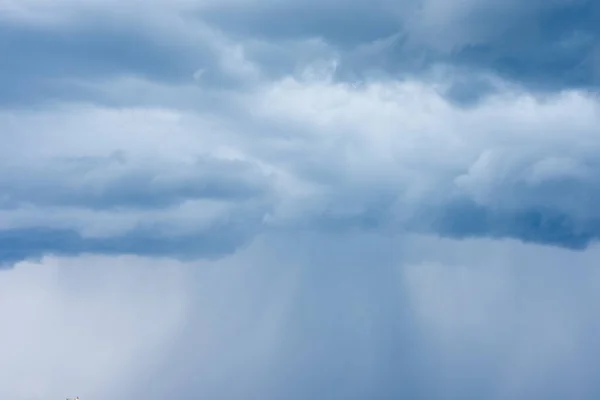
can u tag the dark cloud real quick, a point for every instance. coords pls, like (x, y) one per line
(218, 240)
(553, 49)
(467, 219)
(341, 23)
(541, 226)
(543, 46)
(118, 182)
(95, 47)
(43, 64)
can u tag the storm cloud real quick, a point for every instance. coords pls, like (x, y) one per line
(336, 200)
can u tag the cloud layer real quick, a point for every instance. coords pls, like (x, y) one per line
(296, 154)
(337, 200)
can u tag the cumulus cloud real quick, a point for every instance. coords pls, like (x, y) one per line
(301, 152)
(316, 199)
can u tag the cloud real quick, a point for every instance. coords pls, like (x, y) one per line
(520, 42)
(301, 153)
(312, 200)
(50, 49)
(111, 182)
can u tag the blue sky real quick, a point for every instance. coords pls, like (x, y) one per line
(284, 199)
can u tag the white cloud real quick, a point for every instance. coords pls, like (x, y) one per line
(317, 147)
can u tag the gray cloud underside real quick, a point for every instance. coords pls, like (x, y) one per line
(546, 46)
(543, 45)
(21, 244)
(114, 182)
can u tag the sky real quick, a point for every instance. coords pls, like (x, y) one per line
(286, 199)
